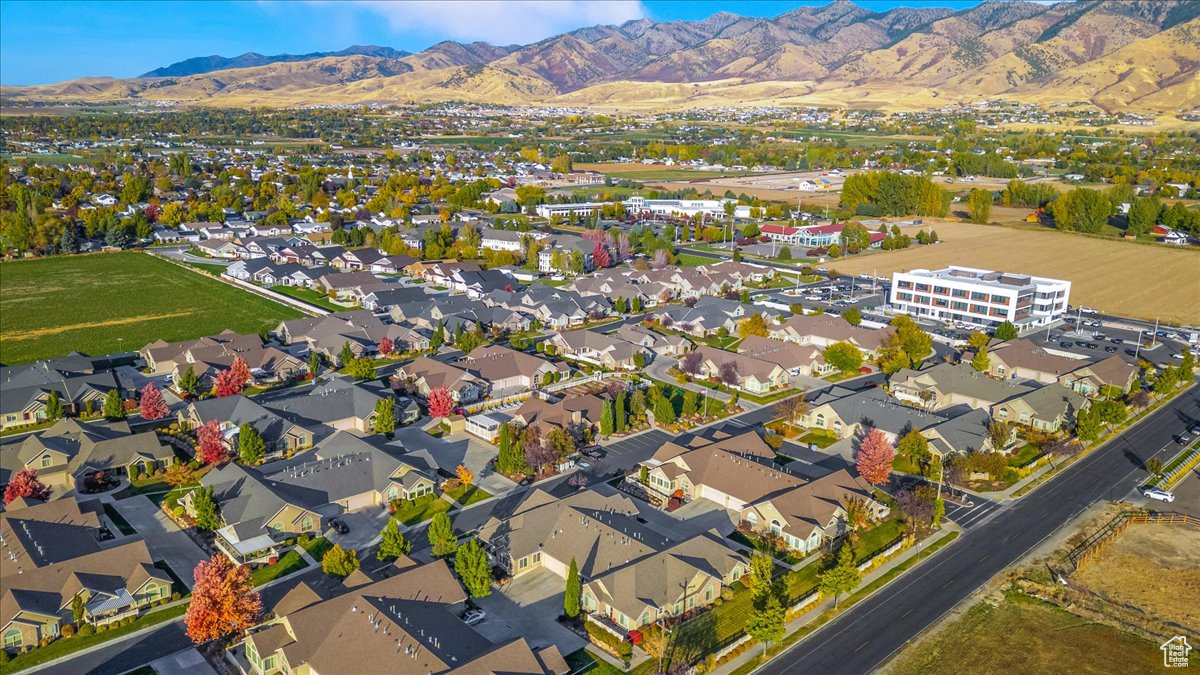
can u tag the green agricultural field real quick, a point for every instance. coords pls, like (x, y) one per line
(106, 303)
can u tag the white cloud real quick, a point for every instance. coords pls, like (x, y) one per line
(502, 23)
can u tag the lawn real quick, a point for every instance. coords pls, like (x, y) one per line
(317, 547)
(1020, 635)
(821, 439)
(113, 302)
(421, 509)
(310, 296)
(468, 494)
(1023, 456)
(118, 520)
(692, 260)
(65, 646)
(290, 562)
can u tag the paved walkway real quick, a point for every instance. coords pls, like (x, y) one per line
(659, 369)
(819, 608)
(166, 541)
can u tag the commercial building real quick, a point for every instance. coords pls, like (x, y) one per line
(980, 297)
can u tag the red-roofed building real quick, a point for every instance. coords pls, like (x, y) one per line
(812, 235)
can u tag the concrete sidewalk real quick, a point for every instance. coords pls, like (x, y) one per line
(819, 608)
(164, 538)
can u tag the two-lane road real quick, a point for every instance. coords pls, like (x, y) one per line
(863, 638)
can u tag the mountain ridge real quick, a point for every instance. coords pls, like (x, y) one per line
(834, 52)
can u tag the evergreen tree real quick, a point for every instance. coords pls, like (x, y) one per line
(619, 412)
(664, 412)
(392, 543)
(980, 361)
(339, 562)
(54, 407)
(573, 591)
(606, 419)
(1006, 331)
(765, 624)
(441, 536)
(842, 577)
(251, 446)
(188, 382)
(314, 363)
(114, 407)
(472, 566)
(346, 356)
(204, 507)
(385, 415)
(689, 403)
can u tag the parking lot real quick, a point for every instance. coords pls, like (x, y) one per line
(528, 607)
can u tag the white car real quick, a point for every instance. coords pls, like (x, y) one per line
(474, 616)
(1160, 495)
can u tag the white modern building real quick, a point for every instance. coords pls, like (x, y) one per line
(980, 297)
(637, 204)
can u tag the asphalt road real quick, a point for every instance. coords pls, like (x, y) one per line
(863, 638)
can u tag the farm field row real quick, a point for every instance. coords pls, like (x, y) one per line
(113, 302)
(1116, 277)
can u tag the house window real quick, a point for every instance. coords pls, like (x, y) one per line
(776, 528)
(47, 460)
(12, 639)
(1003, 412)
(392, 493)
(708, 593)
(307, 523)
(522, 563)
(537, 557)
(752, 518)
(820, 421)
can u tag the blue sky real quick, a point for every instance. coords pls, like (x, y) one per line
(43, 41)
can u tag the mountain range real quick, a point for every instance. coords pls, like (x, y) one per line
(1119, 55)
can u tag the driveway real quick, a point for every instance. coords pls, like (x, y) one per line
(187, 661)
(448, 453)
(365, 526)
(166, 541)
(529, 607)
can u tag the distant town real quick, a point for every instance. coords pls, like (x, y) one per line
(465, 388)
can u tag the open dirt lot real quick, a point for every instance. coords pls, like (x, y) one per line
(1117, 277)
(1155, 567)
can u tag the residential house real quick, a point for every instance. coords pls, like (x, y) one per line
(598, 532)
(686, 576)
(753, 375)
(794, 358)
(72, 451)
(164, 357)
(602, 349)
(81, 387)
(114, 583)
(424, 374)
(509, 370)
(282, 436)
(1051, 408)
(407, 623)
(1023, 359)
(871, 409)
(569, 413)
(946, 385)
(1091, 378)
(338, 403)
(47, 533)
(662, 344)
(822, 330)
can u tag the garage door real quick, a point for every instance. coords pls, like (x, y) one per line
(360, 502)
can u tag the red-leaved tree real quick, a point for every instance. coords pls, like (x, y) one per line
(25, 483)
(386, 346)
(227, 384)
(223, 600)
(241, 371)
(875, 455)
(600, 256)
(154, 406)
(439, 402)
(211, 449)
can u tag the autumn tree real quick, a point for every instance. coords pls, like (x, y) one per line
(114, 407)
(25, 483)
(691, 363)
(999, 432)
(980, 361)
(843, 577)
(752, 325)
(914, 447)
(761, 577)
(240, 371)
(978, 340)
(339, 562)
(251, 446)
(227, 384)
(210, 446)
(441, 535)
(179, 474)
(472, 566)
(600, 256)
(361, 369)
(792, 408)
(728, 374)
(439, 402)
(153, 405)
(875, 455)
(979, 205)
(465, 475)
(844, 356)
(853, 316)
(392, 543)
(223, 600)
(386, 346)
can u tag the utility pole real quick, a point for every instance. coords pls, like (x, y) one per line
(1154, 338)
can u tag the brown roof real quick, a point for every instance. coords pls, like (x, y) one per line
(1022, 353)
(45, 533)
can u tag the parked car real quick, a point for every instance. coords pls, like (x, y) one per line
(595, 453)
(1160, 495)
(1110, 349)
(338, 526)
(1065, 345)
(1184, 438)
(474, 616)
